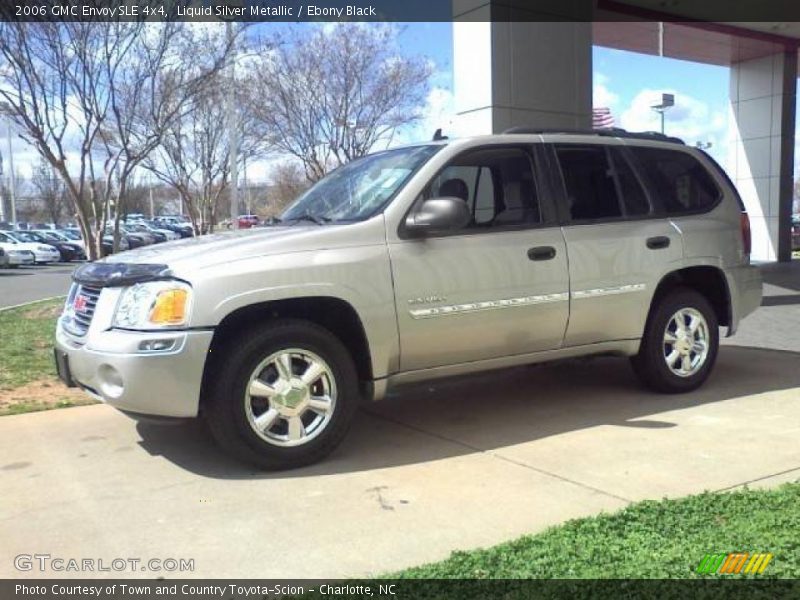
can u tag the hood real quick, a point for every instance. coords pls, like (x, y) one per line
(195, 253)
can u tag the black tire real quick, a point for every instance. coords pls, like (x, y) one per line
(650, 365)
(224, 405)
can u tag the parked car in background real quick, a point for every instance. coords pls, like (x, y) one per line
(64, 236)
(171, 234)
(69, 251)
(796, 232)
(177, 224)
(142, 229)
(15, 256)
(134, 240)
(108, 244)
(139, 236)
(247, 221)
(108, 239)
(42, 253)
(3, 259)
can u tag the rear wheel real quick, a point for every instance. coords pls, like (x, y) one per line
(284, 396)
(680, 344)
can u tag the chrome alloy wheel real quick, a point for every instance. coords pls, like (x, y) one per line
(290, 397)
(686, 342)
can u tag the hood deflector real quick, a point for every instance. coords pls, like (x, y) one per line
(110, 274)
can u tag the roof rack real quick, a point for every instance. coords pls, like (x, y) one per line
(611, 132)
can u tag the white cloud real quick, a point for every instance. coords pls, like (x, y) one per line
(439, 112)
(690, 119)
(602, 96)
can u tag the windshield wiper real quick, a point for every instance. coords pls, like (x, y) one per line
(311, 218)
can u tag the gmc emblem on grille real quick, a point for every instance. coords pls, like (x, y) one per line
(80, 303)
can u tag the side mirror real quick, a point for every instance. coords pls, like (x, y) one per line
(439, 215)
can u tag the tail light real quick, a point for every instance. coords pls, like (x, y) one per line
(747, 239)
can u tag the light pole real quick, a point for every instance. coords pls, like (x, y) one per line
(667, 101)
(2, 202)
(233, 133)
(5, 109)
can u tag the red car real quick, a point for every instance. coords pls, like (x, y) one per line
(247, 221)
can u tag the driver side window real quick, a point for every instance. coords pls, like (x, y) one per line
(496, 183)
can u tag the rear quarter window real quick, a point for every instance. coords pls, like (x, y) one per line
(679, 181)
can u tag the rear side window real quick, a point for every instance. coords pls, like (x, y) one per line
(600, 184)
(679, 180)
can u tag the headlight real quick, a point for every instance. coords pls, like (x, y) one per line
(45, 248)
(154, 305)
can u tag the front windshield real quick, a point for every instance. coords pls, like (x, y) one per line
(360, 188)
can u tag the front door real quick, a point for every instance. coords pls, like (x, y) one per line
(499, 287)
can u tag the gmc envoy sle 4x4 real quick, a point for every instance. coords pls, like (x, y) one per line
(419, 262)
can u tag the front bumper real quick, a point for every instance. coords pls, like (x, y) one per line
(745, 285)
(112, 366)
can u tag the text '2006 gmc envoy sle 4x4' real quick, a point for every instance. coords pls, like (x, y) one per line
(419, 262)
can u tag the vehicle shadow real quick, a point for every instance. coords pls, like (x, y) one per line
(477, 413)
(12, 273)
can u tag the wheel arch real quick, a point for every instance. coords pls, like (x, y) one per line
(708, 280)
(334, 314)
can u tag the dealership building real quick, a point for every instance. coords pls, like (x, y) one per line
(515, 67)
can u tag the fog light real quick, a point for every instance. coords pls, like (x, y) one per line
(156, 345)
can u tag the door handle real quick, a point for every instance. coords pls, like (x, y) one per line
(658, 242)
(542, 253)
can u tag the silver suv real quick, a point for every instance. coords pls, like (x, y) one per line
(419, 262)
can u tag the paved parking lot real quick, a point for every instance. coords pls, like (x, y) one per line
(434, 468)
(27, 284)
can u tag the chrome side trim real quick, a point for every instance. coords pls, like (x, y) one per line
(610, 291)
(470, 307)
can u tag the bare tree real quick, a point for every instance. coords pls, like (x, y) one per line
(287, 183)
(50, 190)
(95, 99)
(331, 95)
(193, 156)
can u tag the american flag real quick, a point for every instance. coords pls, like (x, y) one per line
(602, 118)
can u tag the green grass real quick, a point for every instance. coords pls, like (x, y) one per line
(650, 539)
(26, 343)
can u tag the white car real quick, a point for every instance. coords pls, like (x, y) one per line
(15, 256)
(42, 253)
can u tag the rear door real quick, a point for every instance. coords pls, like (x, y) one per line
(618, 245)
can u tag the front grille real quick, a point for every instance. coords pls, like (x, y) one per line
(81, 310)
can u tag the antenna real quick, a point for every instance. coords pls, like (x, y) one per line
(437, 135)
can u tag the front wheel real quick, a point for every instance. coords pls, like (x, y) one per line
(680, 343)
(284, 396)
